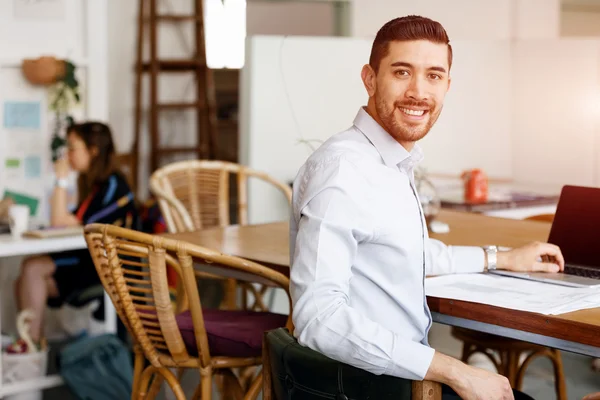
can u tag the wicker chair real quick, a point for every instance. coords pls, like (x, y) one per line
(213, 341)
(505, 353)
(195, 194)
(106, 277)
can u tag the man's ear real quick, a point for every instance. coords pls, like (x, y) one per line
(369, 79)
(93, 151)
(449, 83)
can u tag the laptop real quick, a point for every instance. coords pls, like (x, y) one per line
(576, 231)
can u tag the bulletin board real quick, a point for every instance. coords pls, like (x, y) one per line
(26, 126)
(24, 140)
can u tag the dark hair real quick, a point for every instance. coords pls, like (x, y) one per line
(411, 27)
(95, 135)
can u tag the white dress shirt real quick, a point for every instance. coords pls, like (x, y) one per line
(360, 250)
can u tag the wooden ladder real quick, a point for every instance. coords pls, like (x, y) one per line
(205, 103)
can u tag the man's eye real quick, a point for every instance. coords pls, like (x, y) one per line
(435, 76)
(402, 72)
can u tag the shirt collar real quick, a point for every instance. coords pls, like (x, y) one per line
(392, 152)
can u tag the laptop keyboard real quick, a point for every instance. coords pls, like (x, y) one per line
(580, 270)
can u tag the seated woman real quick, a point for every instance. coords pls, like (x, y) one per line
(104, 197)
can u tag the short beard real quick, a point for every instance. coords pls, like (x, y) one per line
(405, 133)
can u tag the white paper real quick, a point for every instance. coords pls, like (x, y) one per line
(513, 293)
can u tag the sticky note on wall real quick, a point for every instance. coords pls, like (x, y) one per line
(22, 114)
(32, 166)
(12, 163)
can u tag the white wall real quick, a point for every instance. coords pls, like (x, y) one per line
(121, 61)
(33, 36)
(289, 18)
(556, 111)
(474, 129)
(277, 109)
(464, 19)
(536, 19)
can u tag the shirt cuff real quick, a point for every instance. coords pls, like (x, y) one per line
(411, 361)
(468, 259)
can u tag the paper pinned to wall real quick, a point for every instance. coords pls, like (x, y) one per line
(39, 9)
(22, 114)
(12, 163)
(23, 198)
(32, 166)
(13, 168)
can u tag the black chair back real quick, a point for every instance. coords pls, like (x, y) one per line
(295, 372)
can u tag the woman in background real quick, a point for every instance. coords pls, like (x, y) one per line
(104, 197)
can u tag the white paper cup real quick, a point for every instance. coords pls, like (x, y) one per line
(18, 218)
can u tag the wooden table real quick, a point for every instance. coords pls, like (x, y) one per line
(577, 332)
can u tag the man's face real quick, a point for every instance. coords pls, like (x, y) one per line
(408, 90)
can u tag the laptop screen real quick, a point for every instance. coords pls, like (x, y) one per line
(576, 225)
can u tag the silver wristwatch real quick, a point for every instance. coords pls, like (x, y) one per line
(491, 253)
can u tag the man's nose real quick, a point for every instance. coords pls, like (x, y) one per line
(416, 89)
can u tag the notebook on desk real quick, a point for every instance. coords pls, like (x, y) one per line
(47, 233)
(576, 231)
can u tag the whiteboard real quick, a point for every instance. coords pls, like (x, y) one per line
(28, 142)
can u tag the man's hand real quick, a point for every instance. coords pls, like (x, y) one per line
(479, 384)
(469, 382)
(592, 396)
(534, 257)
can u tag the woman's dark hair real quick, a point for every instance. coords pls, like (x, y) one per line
(98, 136)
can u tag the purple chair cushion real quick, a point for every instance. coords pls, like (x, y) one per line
(231, 333)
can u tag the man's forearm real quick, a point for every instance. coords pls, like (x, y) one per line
(445, 369)
(468, 382)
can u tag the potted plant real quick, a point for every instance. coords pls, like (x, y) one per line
(59, 76)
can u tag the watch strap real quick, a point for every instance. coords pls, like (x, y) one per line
(491, 253)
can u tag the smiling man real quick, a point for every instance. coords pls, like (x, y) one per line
(358, 240)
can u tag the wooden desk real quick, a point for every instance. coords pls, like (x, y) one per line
(577, 332)
(267, 244)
